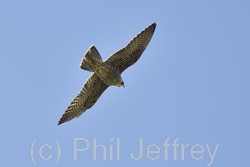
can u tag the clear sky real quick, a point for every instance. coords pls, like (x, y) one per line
(186, 101)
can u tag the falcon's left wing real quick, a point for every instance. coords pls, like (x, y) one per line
(87, 97)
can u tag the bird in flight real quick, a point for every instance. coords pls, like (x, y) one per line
(107, 73)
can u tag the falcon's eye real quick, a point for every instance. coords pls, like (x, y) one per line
(122, 83)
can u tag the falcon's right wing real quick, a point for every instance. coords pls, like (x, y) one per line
(128, 55)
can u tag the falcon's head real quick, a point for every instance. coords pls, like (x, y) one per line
(120, 84)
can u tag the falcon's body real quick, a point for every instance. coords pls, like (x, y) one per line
(106, 73)
(93, 62)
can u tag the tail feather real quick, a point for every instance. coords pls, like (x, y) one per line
(85, 65)
(93, 55)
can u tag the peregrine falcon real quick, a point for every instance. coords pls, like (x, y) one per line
(107, 73)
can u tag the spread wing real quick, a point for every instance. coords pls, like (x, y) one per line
(128, 55)
(87, 97)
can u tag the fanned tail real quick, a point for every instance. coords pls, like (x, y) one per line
(92, 55)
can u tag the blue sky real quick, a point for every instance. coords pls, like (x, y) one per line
(186, 101)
